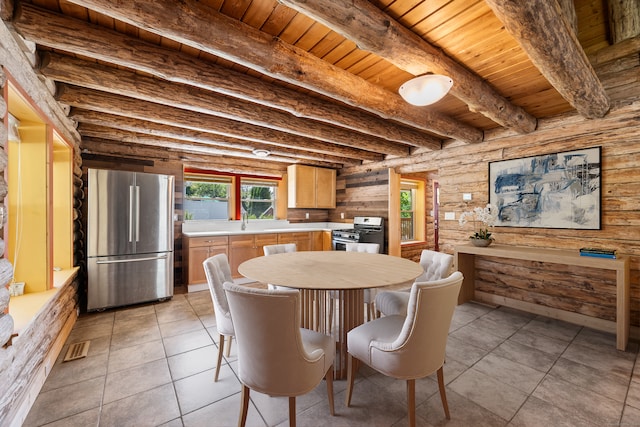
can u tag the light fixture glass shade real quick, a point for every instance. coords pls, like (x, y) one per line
(425, 90)
(261, 153)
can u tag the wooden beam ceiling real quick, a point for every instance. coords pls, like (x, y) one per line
(557, 54)
(201, 27)
(312, 81)
(373, 30)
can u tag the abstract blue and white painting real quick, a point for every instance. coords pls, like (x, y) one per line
(559, 190)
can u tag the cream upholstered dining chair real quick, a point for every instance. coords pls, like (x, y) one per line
(275, 356)
(371, 248)
(412, 346)
(279, 249)
(218, 272)
(436, 265)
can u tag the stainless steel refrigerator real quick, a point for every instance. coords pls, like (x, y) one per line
(130, 238)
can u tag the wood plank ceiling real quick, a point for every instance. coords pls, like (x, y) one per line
(311, 81)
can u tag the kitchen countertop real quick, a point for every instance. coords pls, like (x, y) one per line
(236, 229)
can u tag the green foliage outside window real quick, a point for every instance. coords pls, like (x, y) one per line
(258, 202)
(406, 204)
(206, 190)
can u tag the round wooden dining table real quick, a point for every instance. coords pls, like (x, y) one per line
(326, 276)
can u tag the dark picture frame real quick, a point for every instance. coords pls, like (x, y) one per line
(557, 190)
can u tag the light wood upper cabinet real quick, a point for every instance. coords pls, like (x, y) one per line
(325, 188)
(311, 187)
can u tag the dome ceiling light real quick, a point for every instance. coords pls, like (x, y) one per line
(425, 90)
(261, 153)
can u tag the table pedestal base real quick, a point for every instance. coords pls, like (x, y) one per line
(349, 313)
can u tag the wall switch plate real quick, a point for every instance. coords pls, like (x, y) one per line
(341, 215)
(466, 197)
(449, 216)
(306, 215)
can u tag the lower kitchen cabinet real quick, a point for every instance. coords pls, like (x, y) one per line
(197, 250)
(302, 239)
(240, 248)
(243, 247)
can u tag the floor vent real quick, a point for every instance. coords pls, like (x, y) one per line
(77, 351)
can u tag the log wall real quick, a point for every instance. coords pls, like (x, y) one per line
(25, 364)
(464, 169)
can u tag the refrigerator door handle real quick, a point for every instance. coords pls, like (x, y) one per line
(137, 213)
(118, 261)
(130, 213)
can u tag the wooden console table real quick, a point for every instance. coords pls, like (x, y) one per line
(465, 263)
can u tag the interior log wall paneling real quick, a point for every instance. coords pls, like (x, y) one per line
(464, 169)
(25, 362)
(315, 215)
(363, 193)
(26, 358)
(587, 291)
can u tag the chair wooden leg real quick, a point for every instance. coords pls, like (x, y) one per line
(351, 374)
(328, 377)
(443, 393)
(229, 346)
(411, 402)
(292, 411)
(244, 406)
(220, 351)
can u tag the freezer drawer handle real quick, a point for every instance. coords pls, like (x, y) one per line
(117, 261)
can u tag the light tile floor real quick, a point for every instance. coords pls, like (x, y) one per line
(153, 365)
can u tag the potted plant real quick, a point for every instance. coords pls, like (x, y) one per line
(487, 218)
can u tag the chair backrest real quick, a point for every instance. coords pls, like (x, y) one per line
(218, 272)
(419, 349)
(279, 249)
(372, 248)
(271, 356)
(436, 265)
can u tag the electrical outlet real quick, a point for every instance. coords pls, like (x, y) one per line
(466, 197)
(341, 215)
(450, 216)
(306, 215)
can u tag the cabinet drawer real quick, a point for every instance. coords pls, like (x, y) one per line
(241, 241)
(266, 239)
(208, 241)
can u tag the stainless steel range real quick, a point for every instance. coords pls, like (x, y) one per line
(366, 229)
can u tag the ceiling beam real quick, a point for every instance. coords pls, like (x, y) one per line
(373, 30)
(541, 29)
(197, 25)
(116, 127)
(92, 75)
(317, 152)
(91, 41)
(90, 99)
(219, 163)
(104, 133)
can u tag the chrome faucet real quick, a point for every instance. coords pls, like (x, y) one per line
(245, 221)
